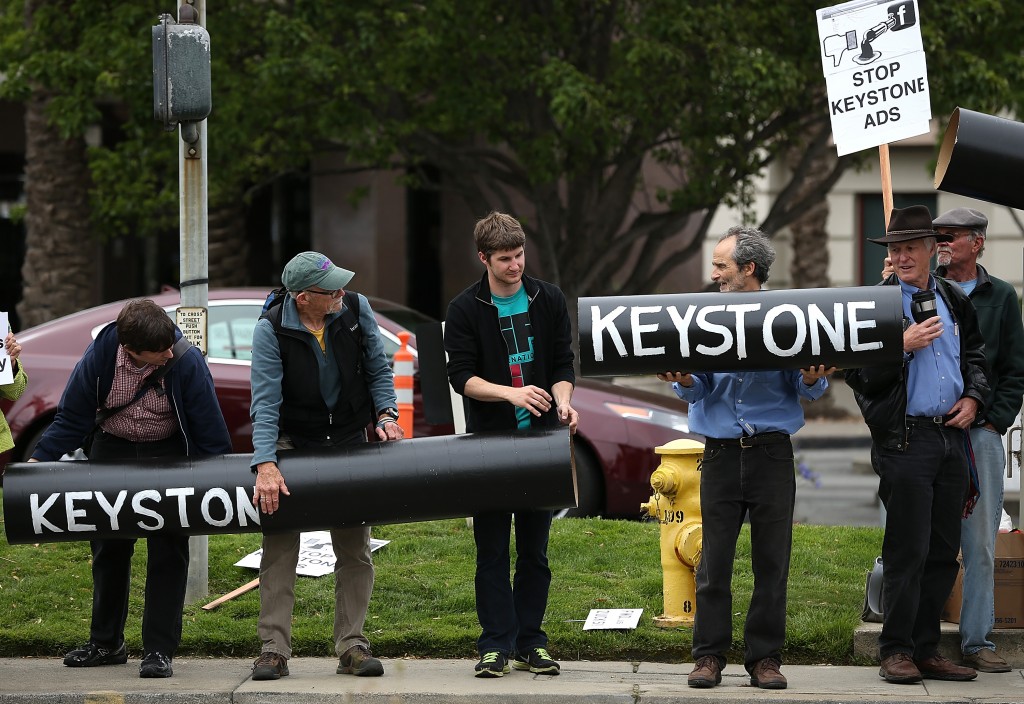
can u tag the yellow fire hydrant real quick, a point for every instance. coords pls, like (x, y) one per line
(676, 506)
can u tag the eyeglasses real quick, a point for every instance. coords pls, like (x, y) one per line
(333, 294)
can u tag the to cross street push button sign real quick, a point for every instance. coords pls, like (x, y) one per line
(875, 72)
(192, 322)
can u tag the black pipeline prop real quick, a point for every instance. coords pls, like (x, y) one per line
(787, 329)
(422, 479)
(982, 156)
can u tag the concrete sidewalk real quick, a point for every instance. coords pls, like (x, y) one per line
(312, 680)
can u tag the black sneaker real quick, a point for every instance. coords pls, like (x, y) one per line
(359, 661)
(492, 664)
(270, 666)
(155, 665)
(537, 661)
(93, 655)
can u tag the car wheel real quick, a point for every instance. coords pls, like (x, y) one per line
(589, 484)
(25, 449)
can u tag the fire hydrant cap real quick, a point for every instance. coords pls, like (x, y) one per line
(682, 446)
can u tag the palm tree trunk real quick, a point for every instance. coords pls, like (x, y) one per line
(60, 270)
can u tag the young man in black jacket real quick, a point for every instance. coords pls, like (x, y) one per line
(508, 340)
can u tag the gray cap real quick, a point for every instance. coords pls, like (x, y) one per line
(968, 218)
(314, 269)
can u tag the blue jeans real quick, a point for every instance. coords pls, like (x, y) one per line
(736, 483)
(978, 541)
(511, 613)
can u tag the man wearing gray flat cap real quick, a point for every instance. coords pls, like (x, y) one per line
(995, 301)
(918, 413)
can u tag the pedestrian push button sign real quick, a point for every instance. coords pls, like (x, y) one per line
(875, 72)
(192, 321)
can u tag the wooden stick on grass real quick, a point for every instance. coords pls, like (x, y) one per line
(232, 594)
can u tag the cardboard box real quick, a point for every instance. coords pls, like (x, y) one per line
(1009, 583)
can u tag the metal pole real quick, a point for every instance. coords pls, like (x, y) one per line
(194, 275)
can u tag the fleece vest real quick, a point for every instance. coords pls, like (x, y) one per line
(304, 414)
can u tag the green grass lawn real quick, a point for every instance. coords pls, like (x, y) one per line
(423, 603)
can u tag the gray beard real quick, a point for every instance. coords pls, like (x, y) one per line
(944, 258)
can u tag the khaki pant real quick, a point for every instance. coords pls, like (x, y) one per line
(353, 585)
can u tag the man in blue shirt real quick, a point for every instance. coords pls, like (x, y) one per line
(918, 414)
(747, 419)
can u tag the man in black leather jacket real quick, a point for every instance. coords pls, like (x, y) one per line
(918, 414)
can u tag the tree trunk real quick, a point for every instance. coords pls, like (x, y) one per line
(60, 256)
(809, 267)
(228, 247)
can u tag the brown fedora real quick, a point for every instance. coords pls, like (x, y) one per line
(911, 223)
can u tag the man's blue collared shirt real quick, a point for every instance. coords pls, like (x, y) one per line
(733, 404)
(934, 382)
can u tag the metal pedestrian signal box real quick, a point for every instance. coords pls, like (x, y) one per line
(181, 72)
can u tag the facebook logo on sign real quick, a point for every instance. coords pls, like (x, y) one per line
(901, 16)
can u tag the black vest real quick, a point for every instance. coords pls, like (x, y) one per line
(304, 415)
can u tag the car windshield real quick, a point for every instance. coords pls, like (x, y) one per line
(231, 323)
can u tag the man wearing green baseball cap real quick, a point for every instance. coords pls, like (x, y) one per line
(319, 378)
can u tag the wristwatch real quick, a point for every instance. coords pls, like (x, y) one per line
(387, 413)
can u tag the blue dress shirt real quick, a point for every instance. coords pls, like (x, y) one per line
(934, 382)
(734, 404)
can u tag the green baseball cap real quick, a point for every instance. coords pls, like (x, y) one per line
(314, 269)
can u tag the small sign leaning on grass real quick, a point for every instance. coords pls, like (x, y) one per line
(612, 619)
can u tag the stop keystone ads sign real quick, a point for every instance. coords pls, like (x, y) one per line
(874, 65)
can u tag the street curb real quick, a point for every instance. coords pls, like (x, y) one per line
(415, 681)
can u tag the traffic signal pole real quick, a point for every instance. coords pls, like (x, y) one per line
(194, 277)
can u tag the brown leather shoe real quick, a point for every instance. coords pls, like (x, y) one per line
(986, 660)
(706, 673)
(939, 668)
(765, 674)
(899, 668)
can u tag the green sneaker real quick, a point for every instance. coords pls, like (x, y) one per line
(537, 661)
(492, 664)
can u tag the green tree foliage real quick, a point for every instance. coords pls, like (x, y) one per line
(615, 128)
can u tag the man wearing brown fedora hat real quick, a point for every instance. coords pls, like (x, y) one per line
(918, 413)
(995, 301)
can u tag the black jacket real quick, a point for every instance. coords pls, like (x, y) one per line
(881, 392)
(476, 347)
(192, 396)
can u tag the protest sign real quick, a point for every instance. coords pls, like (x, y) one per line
(612, 619)
(6, 366)
(874, 65)
(316, 554)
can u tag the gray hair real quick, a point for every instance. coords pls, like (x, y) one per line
(752, 247)
(977, 232)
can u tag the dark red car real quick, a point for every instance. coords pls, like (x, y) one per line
(614, 446)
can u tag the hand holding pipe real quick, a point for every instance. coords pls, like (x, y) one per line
(396, 482)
